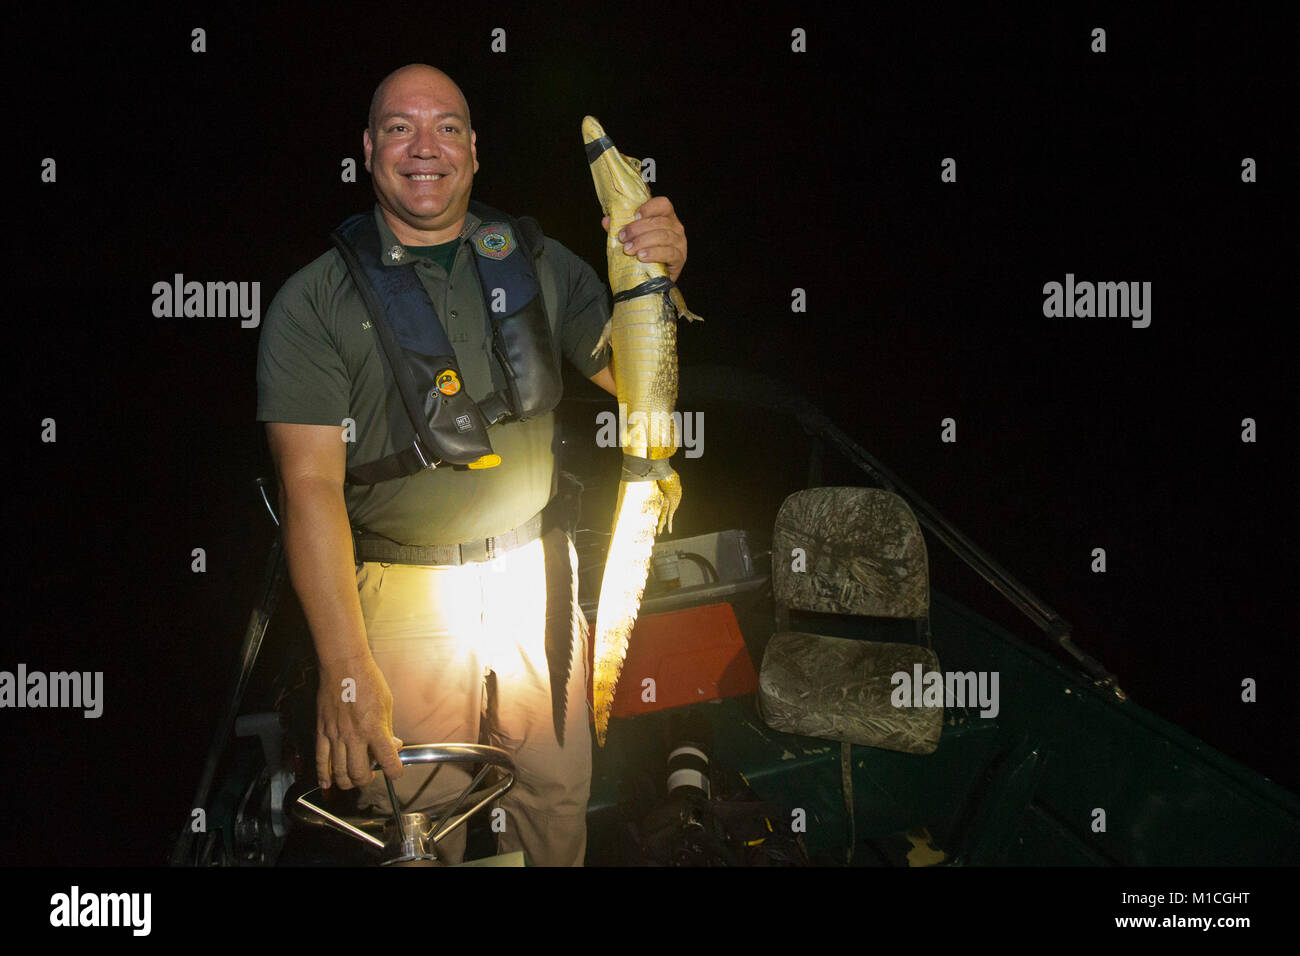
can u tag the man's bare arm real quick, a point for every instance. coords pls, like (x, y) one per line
(311, 463)
(605, 379)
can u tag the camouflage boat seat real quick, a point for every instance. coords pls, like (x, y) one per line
(848, 551)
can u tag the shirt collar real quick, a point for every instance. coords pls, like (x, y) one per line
(393, 253)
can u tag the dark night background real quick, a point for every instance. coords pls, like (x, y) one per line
(816, 170)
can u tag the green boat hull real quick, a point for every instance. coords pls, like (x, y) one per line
(1064, 775)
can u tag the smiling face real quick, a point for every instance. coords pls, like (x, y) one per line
(421, 155)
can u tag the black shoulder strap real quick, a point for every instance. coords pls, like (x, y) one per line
(406, 387)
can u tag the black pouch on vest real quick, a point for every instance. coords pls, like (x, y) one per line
(455, 423)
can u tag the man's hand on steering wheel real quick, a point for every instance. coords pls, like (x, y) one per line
(354, 724)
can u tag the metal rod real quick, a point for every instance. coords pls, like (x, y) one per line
(982, 563)
(459, 800)
(261, 486)
(257, 625)
(729, 384)
(492, 795)
(397, 816)
(340, 822)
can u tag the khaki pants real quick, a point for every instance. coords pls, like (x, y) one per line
(471, 654)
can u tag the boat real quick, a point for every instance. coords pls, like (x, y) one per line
(1033, 755)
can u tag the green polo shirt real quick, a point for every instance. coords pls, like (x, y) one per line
(320, 363)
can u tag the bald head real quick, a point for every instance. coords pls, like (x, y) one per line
(413, 71)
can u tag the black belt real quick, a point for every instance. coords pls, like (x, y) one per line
(386, 551)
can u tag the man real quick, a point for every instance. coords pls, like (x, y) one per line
(462, 649)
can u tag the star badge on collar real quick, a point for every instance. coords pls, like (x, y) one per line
(397, 253)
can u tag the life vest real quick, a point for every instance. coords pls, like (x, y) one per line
(448, 427)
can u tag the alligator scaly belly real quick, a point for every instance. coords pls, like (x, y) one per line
(643, 333)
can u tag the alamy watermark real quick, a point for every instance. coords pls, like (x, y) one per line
(954, 689)
(210, 300)
(76, 908)
(651, 429)
(77, 689)
(1086, 300)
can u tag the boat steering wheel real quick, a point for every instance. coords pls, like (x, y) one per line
(411, 839)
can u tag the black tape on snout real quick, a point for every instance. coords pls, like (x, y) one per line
(598, 146)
